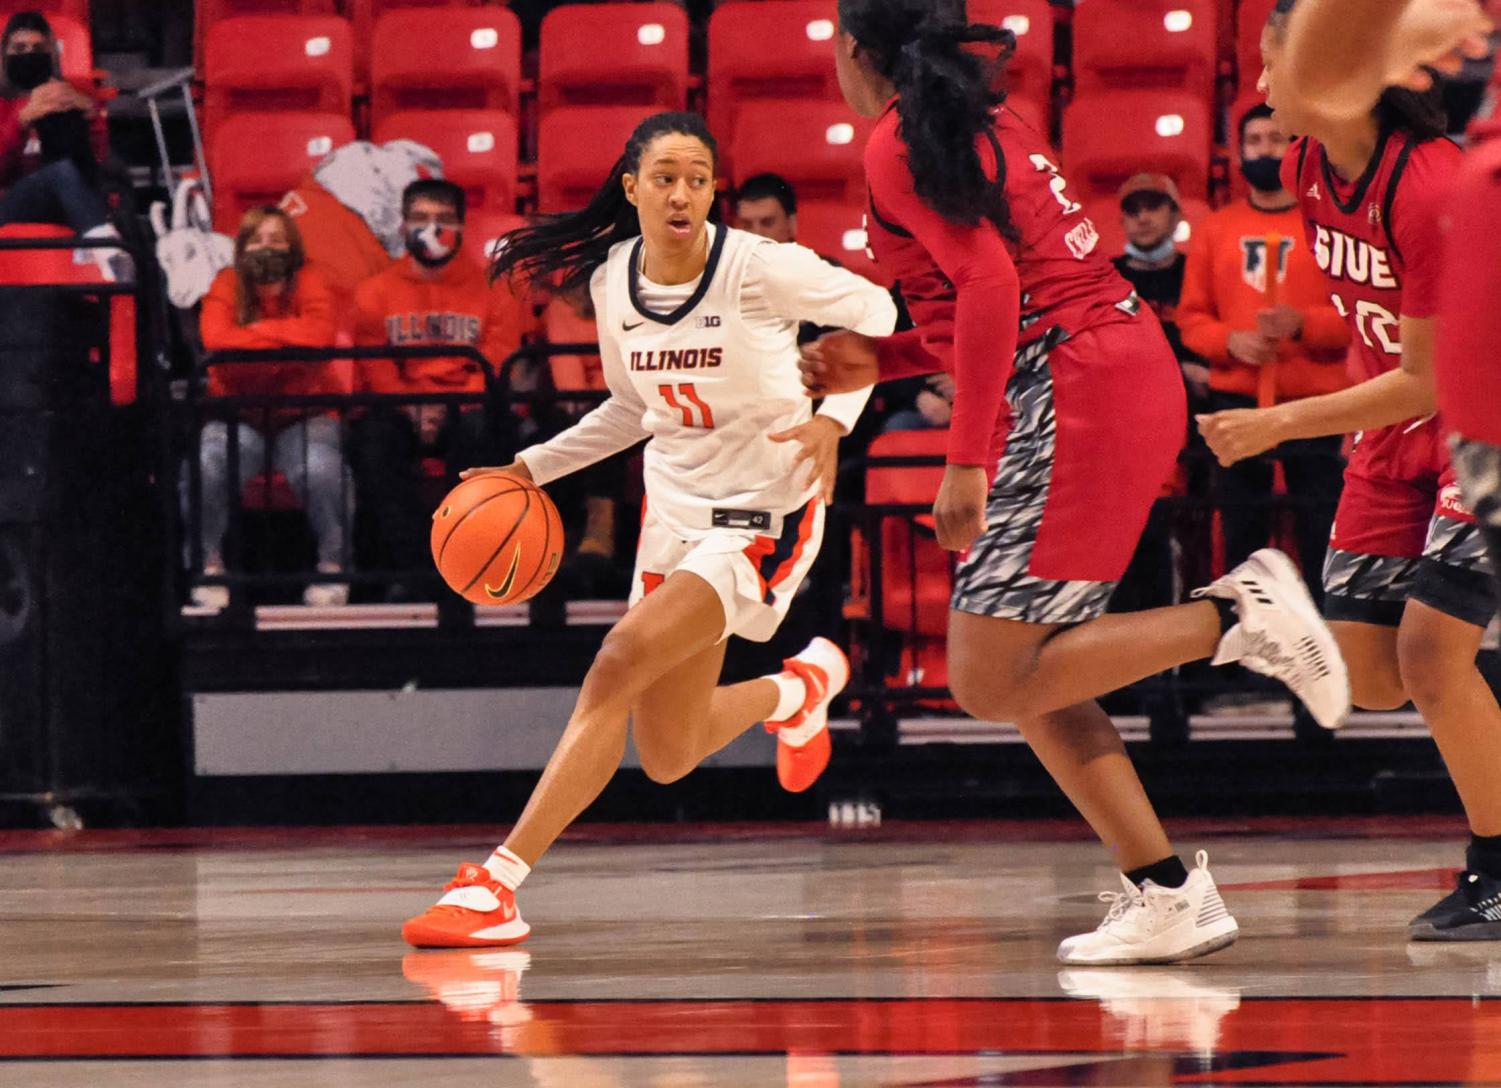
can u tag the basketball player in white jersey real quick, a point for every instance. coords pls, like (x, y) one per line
(698, 334)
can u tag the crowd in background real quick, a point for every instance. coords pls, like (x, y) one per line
(307, 274)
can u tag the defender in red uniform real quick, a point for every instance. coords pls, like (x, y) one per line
(1407, 575)
(1069, 398)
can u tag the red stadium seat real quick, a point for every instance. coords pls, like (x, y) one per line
(207, 13)
(75, 50)
(364, 14)
(916, 573)
(1109, 137)
(37, 267)
(74, 9)
(646, 46)
(817, 146)
(480, 69)
(837, 231)
(478, 149)
(777, 49)
(256, 158)
(262, 63)
(1249, 23)
(576, 148)
(1029, 75)
(484, 228)
(1123, 44)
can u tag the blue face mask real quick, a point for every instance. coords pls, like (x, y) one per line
(1156, 255)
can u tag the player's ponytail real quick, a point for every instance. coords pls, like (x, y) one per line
(1420, 114)
(945, 97)
(564, 250)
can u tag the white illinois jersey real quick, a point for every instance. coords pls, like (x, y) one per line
(708, 371)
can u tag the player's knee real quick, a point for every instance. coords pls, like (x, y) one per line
(664, 768)
(989, 695)
(616, 664)
(1429, 666)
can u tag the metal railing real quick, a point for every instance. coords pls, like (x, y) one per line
(887, 648)
(272, 413)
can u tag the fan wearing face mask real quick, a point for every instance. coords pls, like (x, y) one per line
(1226, 315)
(269, 299)
(436, 294)
(51, 137)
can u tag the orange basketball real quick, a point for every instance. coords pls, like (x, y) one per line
(497, 539)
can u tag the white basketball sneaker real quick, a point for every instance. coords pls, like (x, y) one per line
(1157, 925)
(1156, 1009)
(1282, 635)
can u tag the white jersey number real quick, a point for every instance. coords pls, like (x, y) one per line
(1058, 184)
(1377, 326)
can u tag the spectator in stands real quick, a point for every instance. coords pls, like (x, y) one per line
(52, 138)
(436, 294)
(766, 204)
(1225, 318)
(269, 300)
(1151, 213)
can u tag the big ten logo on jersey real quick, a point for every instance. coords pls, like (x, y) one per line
(687, 359)
(708, 321)
(1254, 261)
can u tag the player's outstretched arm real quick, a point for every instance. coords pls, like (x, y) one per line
(1341, 54)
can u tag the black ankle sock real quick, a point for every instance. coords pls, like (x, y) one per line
(1484, 856)
(1167, 873)
(1226, 609)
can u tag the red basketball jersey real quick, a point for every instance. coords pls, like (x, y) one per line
(1379, 243)
(1066, 281)
(1468, 360)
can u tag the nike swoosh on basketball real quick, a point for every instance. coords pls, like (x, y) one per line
(631, 328)
(508, 581)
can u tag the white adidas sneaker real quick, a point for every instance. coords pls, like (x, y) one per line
(1282, 635)
(1156, 925)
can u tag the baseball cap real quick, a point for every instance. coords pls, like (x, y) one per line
(1151, 183)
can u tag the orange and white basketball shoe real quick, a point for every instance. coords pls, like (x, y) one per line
(803, 744)
(476, 911)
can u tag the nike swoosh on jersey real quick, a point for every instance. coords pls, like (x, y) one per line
(631, 328)
(504, 589)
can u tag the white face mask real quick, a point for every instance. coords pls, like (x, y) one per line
(1156, 255)
(434, 245)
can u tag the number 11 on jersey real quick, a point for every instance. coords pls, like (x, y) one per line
(684, 398)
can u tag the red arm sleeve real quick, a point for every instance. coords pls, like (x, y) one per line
(1199, 322)
(987, 308)
(904, 355)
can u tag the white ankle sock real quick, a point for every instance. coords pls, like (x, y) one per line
(507, 869)
(791, 693)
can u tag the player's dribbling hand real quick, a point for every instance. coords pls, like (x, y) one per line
(1240, 433)
(515, 468)
(960, 508)
(840, 362)
(1438, 34)
(818, 440)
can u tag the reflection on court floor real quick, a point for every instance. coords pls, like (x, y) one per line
(916, 956)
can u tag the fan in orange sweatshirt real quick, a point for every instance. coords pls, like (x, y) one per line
(1225, 315)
